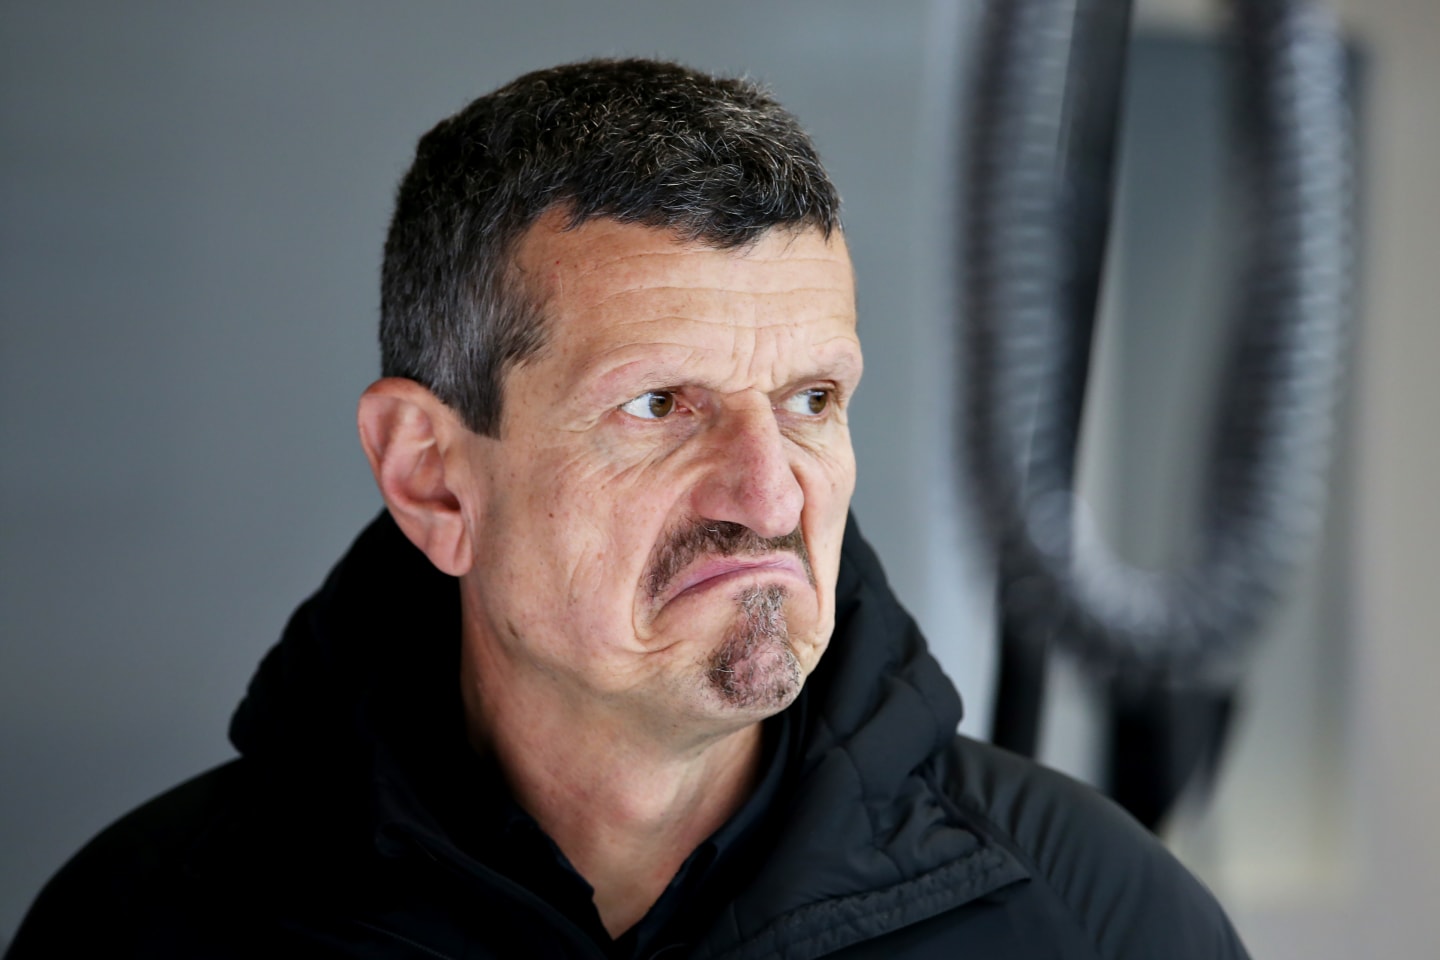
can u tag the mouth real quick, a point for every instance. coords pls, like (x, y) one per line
(715, 572)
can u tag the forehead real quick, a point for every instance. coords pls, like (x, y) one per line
(605, 286)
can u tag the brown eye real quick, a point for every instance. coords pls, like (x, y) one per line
(809, 403)
(652, 405)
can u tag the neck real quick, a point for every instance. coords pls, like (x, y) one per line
(627, 808)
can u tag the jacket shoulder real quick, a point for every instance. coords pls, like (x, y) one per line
(1091, 863)
(103, 897)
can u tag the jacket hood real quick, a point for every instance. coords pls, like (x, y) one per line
(363, 688)
(384, 627)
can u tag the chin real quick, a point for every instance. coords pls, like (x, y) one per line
(754, 669)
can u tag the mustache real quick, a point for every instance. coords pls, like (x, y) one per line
(720, 538)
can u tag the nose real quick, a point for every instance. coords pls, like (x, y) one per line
(749, 476)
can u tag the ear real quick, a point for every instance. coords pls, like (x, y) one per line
(412, 442)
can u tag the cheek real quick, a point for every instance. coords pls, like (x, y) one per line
(809, 653)
(829, 482)
(841, 465)
(598, 523)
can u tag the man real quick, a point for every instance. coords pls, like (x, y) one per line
(613, 675)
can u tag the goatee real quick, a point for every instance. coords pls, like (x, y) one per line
(754, 666)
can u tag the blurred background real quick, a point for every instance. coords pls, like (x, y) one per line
(193, 198)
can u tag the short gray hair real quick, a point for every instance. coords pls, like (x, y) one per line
(715, 160)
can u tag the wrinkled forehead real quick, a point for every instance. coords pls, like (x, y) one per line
(605, 280)
(629, 309)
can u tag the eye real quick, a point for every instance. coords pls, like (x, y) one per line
(808, 403)
(652, 405)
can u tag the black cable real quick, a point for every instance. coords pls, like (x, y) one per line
(1085, 173)
(1024, 329)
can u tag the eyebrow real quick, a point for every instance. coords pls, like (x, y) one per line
(664, 366)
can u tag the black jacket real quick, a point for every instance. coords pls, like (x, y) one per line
(334, 834)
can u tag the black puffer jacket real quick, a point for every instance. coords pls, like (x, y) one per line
(898, 839)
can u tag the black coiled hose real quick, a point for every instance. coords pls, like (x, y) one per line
(1265, 486)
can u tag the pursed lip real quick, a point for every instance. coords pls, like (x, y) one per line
(711, 569)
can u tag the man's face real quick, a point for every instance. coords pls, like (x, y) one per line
(658, 526)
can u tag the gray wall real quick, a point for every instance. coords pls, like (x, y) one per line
(192, 204)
